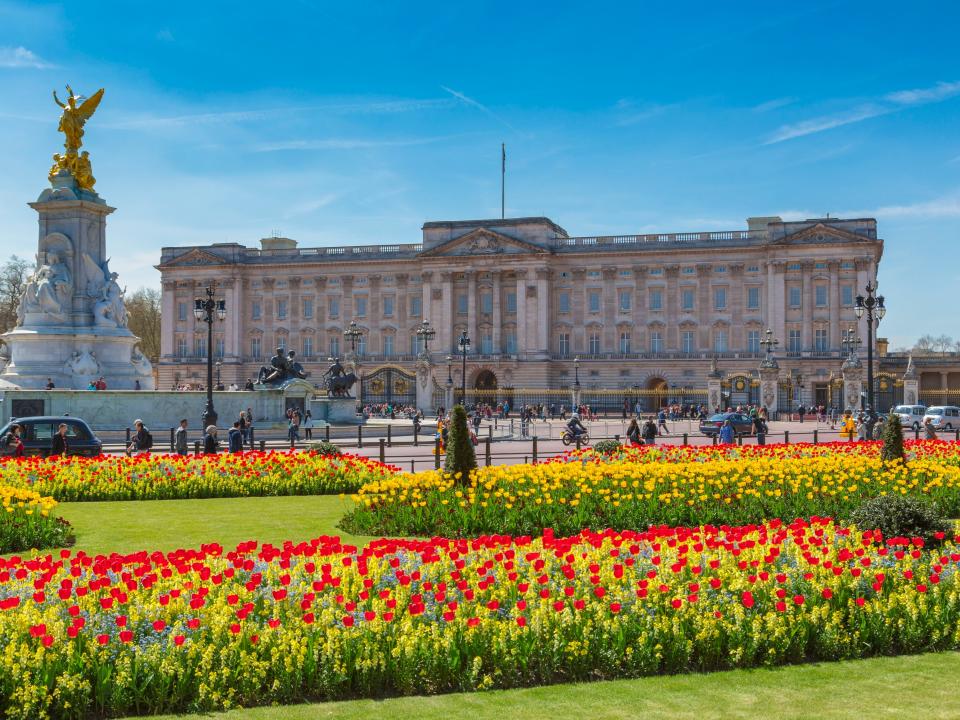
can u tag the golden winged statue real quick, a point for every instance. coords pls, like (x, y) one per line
(76, 111)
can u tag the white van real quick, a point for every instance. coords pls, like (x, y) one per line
(944, 417)
(911, 416)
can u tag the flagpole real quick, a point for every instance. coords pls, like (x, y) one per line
(503, 173)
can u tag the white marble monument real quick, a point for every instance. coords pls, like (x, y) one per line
(71, 321)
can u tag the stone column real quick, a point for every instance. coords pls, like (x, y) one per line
(497, 320)
(168, 318)
(522, 347)
(374, 318)
(862, 265)
(320, 313)
(578, 342)
(543, 311)
(472, 310)
(447, 310)
(704, 307)
(672, 340)
(230, 326)
(776, 270)
(401, 312)
(806, 304)
(738, 340)
(769, 385)
(852, 383)
(640, 308)
(834, 299)
(610, 307)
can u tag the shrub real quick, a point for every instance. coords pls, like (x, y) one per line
(892, 439)
(607, 447)
(26, 522)
(902, 516)
(460, 455)
(324, 448)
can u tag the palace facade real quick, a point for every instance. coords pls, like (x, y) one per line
(644, 313)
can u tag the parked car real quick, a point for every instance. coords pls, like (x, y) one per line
(742, 424)
(911, 416)
(37, 435)
(943, 417)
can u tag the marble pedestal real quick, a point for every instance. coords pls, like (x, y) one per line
(45, 352)
(336, 411)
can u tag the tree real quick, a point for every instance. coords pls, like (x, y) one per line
(943, 343)
(13, 279)
(925, 345)
(892, 439)
(460, 456)
(143, 309)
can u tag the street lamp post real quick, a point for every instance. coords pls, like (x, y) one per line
(576, 383)
(850, 342)
(464, 344)
(425, 334)
(353, 333)
(769, 344)
(208, 310)
(219, 365)
(449, 393)
(875, 310)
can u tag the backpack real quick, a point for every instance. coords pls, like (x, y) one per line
(147, 439)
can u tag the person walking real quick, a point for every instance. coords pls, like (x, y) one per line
(649, 431)
(210, 443)
(180, 438)
(248, 416)
(726, 432)
(293, 427)
(307, 426)
(801, 411)
(633, 432)
(141, 441)
(11, 443)
(662, 423)
(60, 445)
(848, 426)
(50, 384)
(235, 438)
(929, 431)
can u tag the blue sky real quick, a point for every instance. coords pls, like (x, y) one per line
(352, 123)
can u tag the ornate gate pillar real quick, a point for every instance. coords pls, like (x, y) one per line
(714, 382)
(853, 383)
(911, 384)
(424, 383)
(769, 384)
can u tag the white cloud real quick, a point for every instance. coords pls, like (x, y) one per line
(345, 144)
(20, 57)
(165, 35)
(947, 206)
(773, 104)
(474, 103)
(889, 103)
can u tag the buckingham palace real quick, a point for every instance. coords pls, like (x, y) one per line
(651, 316)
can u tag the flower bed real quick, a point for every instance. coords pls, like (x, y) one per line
(633, 494)
(26, 522)
(168, 477)
(206, 629)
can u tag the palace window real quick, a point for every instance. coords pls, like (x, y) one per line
(335, 347)
(820, 341)
(510, 342)
(656, 341)
(281, 309)
(753, 268)
(595, 274)
(388, 345)
(846, 266)
(846, 292)
(486, 302)
(182, 311)
(388, 306)
(282, 342)
(594, 343)
(200, 346)
(753, 341)
(720, 343)
(794, 297)
(720, 298)
(563, 344)
(362, 345)
(656, 271)
(256, 351)
(688, 271)
(793, 341)
(687, 341)
(486, 344)
(820, 266)
(308, 347)
(511, 302)
(307, 308)
(719, 268)
(625, 300)
(563, 302)
(820, 293)
(656, 300)
(360, 303)
(624, 342)
(686, 300)
(463, 304)
(255, 310)
(415, 305)
(626, 273)
(182, 348)
(753, 298)
(218, 344)
(594, 299)
(334, 307)
(793, 266)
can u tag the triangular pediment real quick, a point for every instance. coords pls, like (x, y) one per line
(484, 242)
(821, 233)
(194, 257)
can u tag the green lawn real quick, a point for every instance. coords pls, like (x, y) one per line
(104, 527)
(922, 686)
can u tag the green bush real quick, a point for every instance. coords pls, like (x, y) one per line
(20, 532)
(460, 455)
(892, 439)
(607, 447)
(324, 448)
(902, 516)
